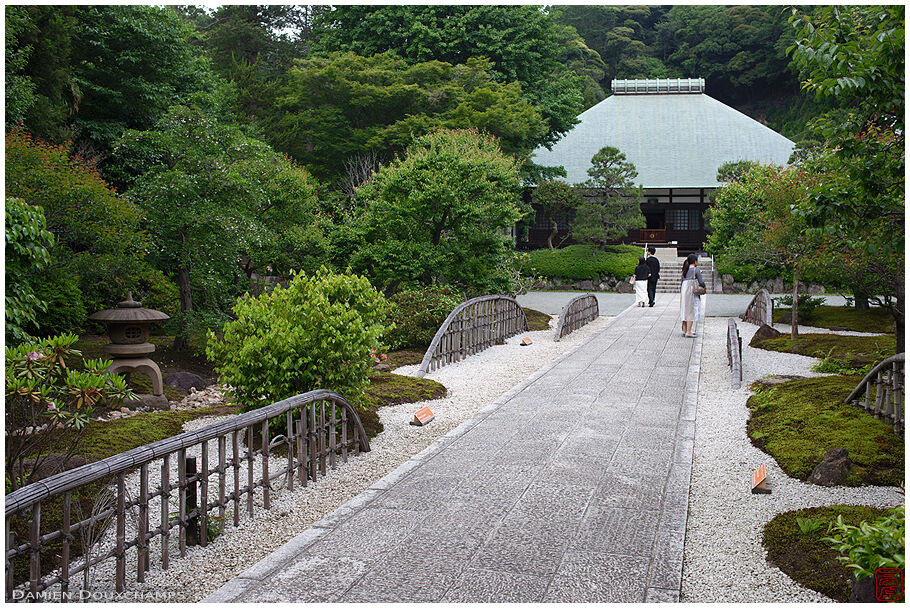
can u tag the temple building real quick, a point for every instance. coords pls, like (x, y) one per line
(677, 137)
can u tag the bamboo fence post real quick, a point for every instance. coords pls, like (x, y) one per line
(266, 487)
(344, 434)
(65, 551)
(204, 496)
(235, 443)
(289, 479)
(332, 438)
(34, 533)
(249, 471)
(181, 501)
(121, 533)
(165, 510)
(322, 442)
(143, 547)
(311, 439)
(222, 477)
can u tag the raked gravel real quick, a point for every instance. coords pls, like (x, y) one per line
(472, 385)
(724, 560)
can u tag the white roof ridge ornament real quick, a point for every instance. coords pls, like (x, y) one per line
(658, 86)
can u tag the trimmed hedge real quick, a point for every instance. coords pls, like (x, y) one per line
(581, 262)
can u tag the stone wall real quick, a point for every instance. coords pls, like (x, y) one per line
(607, 284)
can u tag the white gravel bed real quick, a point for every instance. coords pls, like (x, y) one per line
(724, 560)
(472, 385)
(808, 329)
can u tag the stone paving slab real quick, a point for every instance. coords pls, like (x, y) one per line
(570, 490)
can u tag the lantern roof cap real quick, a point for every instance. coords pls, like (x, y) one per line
(129, 311)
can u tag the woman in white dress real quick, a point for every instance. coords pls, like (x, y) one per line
(642, 272)
(690, 305)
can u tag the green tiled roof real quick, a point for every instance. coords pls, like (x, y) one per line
(674, 141)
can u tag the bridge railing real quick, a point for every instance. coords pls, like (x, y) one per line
(734, 354)
(580, 311)
(760, 309)
(472, 327)
(881, 392)
(315, 430)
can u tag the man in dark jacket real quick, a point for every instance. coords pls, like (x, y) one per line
(654, 263)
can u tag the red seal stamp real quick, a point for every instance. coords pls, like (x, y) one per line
(889, 584)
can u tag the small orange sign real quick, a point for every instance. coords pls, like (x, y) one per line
(760, 481)
(422, 416)
(525, 341)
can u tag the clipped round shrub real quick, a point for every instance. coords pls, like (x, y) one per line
(65, 310)
(579, 262)
(415, 315)
(315, 334)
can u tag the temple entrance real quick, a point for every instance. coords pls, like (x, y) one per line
(655, 219)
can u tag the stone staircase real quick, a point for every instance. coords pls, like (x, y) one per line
(671, 273)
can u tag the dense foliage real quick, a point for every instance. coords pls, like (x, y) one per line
(318, 332)
(440, 214)
(98, 235)
(219, 204)
(872, 544)
(27, 243)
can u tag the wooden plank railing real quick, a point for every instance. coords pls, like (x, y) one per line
(760, 309)
(580, 310)
(472, 327)
(881, 392)
(316, 427)
(734, 354)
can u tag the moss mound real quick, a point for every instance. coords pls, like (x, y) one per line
(400, 358)
(797, 422)
(391, 389)
(581, 262)
(853, 351)
(805, 557)
(537, 321)
(875, 320)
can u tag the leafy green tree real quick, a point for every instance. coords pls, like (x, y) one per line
(212, 198)
(442, 213)
(27, 244)
(98, 239)
(611, 206)
(523, 44)
(857, 54)
(342, 110)
(556, 198)
(734, 170)
(20, 88)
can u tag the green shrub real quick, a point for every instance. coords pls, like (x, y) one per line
(414, 316)
(316, 333)
(580, 262)
(745, 272)
(879, 544)
(27, 243)
(65, 311)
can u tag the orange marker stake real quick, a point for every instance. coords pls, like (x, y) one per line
(422, 417)
(760, 481)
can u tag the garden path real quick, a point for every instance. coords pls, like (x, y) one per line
(572, 487)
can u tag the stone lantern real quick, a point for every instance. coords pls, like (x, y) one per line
(128, 330)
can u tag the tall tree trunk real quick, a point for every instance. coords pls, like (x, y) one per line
(181, 340)
(554, 228)
(794, 312)
(860, 300)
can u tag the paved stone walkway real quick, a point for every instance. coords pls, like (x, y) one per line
(572, 487)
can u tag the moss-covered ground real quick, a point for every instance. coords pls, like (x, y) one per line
(805, 557)
(537, 321)
(852, 351)
(580, 262)
(798, 421)
(875, 320)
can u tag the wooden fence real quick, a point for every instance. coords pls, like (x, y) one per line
(881, 392)
(734, 354)
(317, 428)
(760, 309)
(580, 310)
(472, 327)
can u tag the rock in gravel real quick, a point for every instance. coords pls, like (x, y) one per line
(832, 469)
(764, 332)
(185, 380)
(839, 328)
(775, 380)
(382, 367)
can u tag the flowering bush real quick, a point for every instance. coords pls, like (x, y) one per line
(45, 398)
